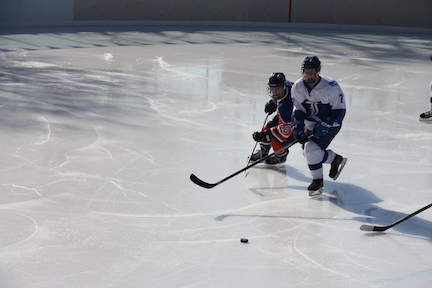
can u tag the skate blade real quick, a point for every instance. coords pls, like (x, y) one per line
(275, 164)
(426, 119)
(316, 193)
(342, 165)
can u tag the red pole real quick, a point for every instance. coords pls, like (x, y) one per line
(289, 13)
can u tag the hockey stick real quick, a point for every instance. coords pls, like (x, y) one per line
(383, 228)
(256, 143)
(207, 185)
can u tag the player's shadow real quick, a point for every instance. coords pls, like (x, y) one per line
(354, 199)
(361, 201)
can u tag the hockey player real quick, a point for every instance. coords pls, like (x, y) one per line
(319, 106)
(428, 114)
(278, 130)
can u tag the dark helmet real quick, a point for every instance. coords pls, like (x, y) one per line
(311, 62)
(277, 79)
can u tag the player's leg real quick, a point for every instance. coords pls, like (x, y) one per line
(428, 114)
(281, 156)
(316, 154)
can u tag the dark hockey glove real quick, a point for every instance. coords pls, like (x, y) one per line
(265, 136)
(299, 132)
(270, 107)
(322, 128)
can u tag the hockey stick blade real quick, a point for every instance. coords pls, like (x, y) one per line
(202, 183)
(366, 227)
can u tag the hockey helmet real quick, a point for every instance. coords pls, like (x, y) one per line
(277, 79)
(311, 62)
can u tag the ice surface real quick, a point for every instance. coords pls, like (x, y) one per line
(102, 126)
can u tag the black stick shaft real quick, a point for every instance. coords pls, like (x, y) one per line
(383, 228)
(410, 215)
(256, 143)
(204, 184)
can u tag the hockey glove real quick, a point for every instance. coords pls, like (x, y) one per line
(265, 136)
(270, 107)
(322, 128)
(299, 132)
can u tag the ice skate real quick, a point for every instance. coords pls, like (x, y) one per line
(315, 188)
(426, 116)
(259, 154)
(336, 166)
(273, 160)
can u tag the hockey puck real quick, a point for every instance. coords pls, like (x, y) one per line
(244, 240)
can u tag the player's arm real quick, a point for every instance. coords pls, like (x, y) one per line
(338, 104)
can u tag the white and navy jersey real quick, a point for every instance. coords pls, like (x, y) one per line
(324, 102)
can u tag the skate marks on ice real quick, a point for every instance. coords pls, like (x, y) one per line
(322, 233)
(289, 203)
(15, 228)
(103, 204)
